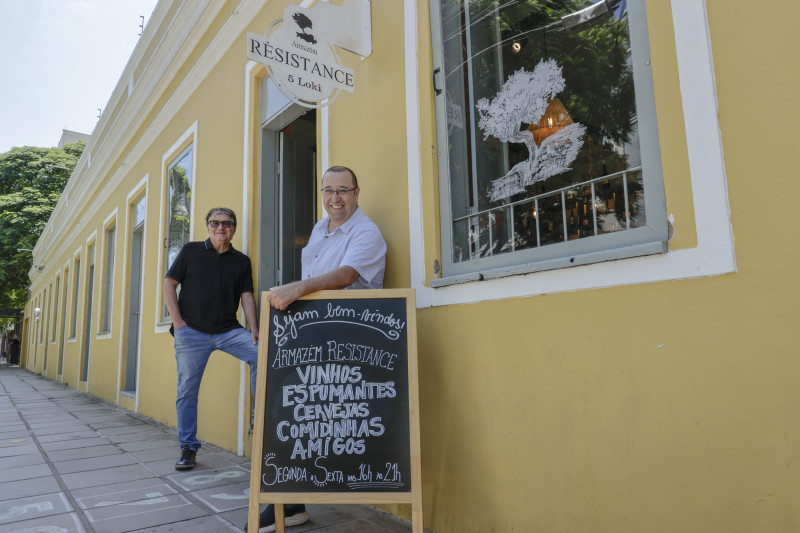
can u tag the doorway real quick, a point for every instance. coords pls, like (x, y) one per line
(134, 309)
(84, 375)
(288, 186)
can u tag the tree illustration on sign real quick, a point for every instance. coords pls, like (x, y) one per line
(523, 100)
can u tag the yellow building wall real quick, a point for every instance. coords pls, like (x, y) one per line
(667, 406)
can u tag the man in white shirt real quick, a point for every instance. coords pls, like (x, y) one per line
(345, 251)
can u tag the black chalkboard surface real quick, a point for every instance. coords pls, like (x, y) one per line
(337, 416)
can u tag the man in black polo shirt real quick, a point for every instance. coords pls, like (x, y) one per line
(213, 277)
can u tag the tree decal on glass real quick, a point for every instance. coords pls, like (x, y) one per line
(515, 114)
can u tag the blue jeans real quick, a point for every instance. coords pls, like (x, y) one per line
(192, 350)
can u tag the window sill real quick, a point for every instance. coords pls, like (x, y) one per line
(561, 262)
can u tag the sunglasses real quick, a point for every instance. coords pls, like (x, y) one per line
(217, 223)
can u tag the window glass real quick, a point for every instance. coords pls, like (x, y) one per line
(179, 191)
(55, 309)
(108, 288)
(179, 179)
(540, 124)
(75, 292)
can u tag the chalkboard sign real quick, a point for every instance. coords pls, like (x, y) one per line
(337, 416)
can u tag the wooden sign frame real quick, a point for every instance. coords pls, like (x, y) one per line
(414, 496)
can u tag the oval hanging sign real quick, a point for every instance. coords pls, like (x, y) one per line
(299, 53)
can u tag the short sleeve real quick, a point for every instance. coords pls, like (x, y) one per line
(366, 253)
(178, 268)
(247, 276)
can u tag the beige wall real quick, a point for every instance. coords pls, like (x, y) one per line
(666, 406)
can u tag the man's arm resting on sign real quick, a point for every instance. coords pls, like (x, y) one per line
(249, 307)
(171, 301)
(282, 296)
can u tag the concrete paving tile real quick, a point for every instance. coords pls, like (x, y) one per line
(360, 525)
(72, 428)
(58, 423)
(68, 436)
(204, 462)
(143, 492)
(142, 434)
(50, 417)
(78, 407)
(24, 472)
(157, 454)
(12, 442)
(152, 512)
(122, 427)
(100, 417)
(206, 524)
(29, 487)
(17, 433)
(10, 422)
(21, 460)
(94, 463)
(83, 453)
(63, 523)
(202, 479)
(237, 517)
(139, 445)
(81, 412)
(26, 446)
(33, 507)
(90, 492)
(77, 443)
(123, 422)
(225, 497)
(106, 476)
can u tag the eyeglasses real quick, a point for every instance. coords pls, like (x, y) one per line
(340, 192)
(217, 223)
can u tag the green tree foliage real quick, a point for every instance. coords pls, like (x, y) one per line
(31, 182)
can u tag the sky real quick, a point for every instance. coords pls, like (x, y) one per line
(59, 63)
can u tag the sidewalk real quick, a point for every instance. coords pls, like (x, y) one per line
(70, 462)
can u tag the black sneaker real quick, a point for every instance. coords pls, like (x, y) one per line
(186, 461)
(294, 515)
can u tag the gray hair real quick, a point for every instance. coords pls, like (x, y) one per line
(224, 210)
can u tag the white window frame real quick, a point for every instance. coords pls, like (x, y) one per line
(54, 311)
(714, 253)
(90, 248)
(136, 194)
(189, 138)
(106, 312)
(75, 270)
(648, 239)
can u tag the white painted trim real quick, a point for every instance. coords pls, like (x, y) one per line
(714, 254)
(91, 242)
(107, 223)
(138, 192)
(66, 270)
(413, 147)
(188, 138)
(325, 137)
(248, 152)
(76, 256)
